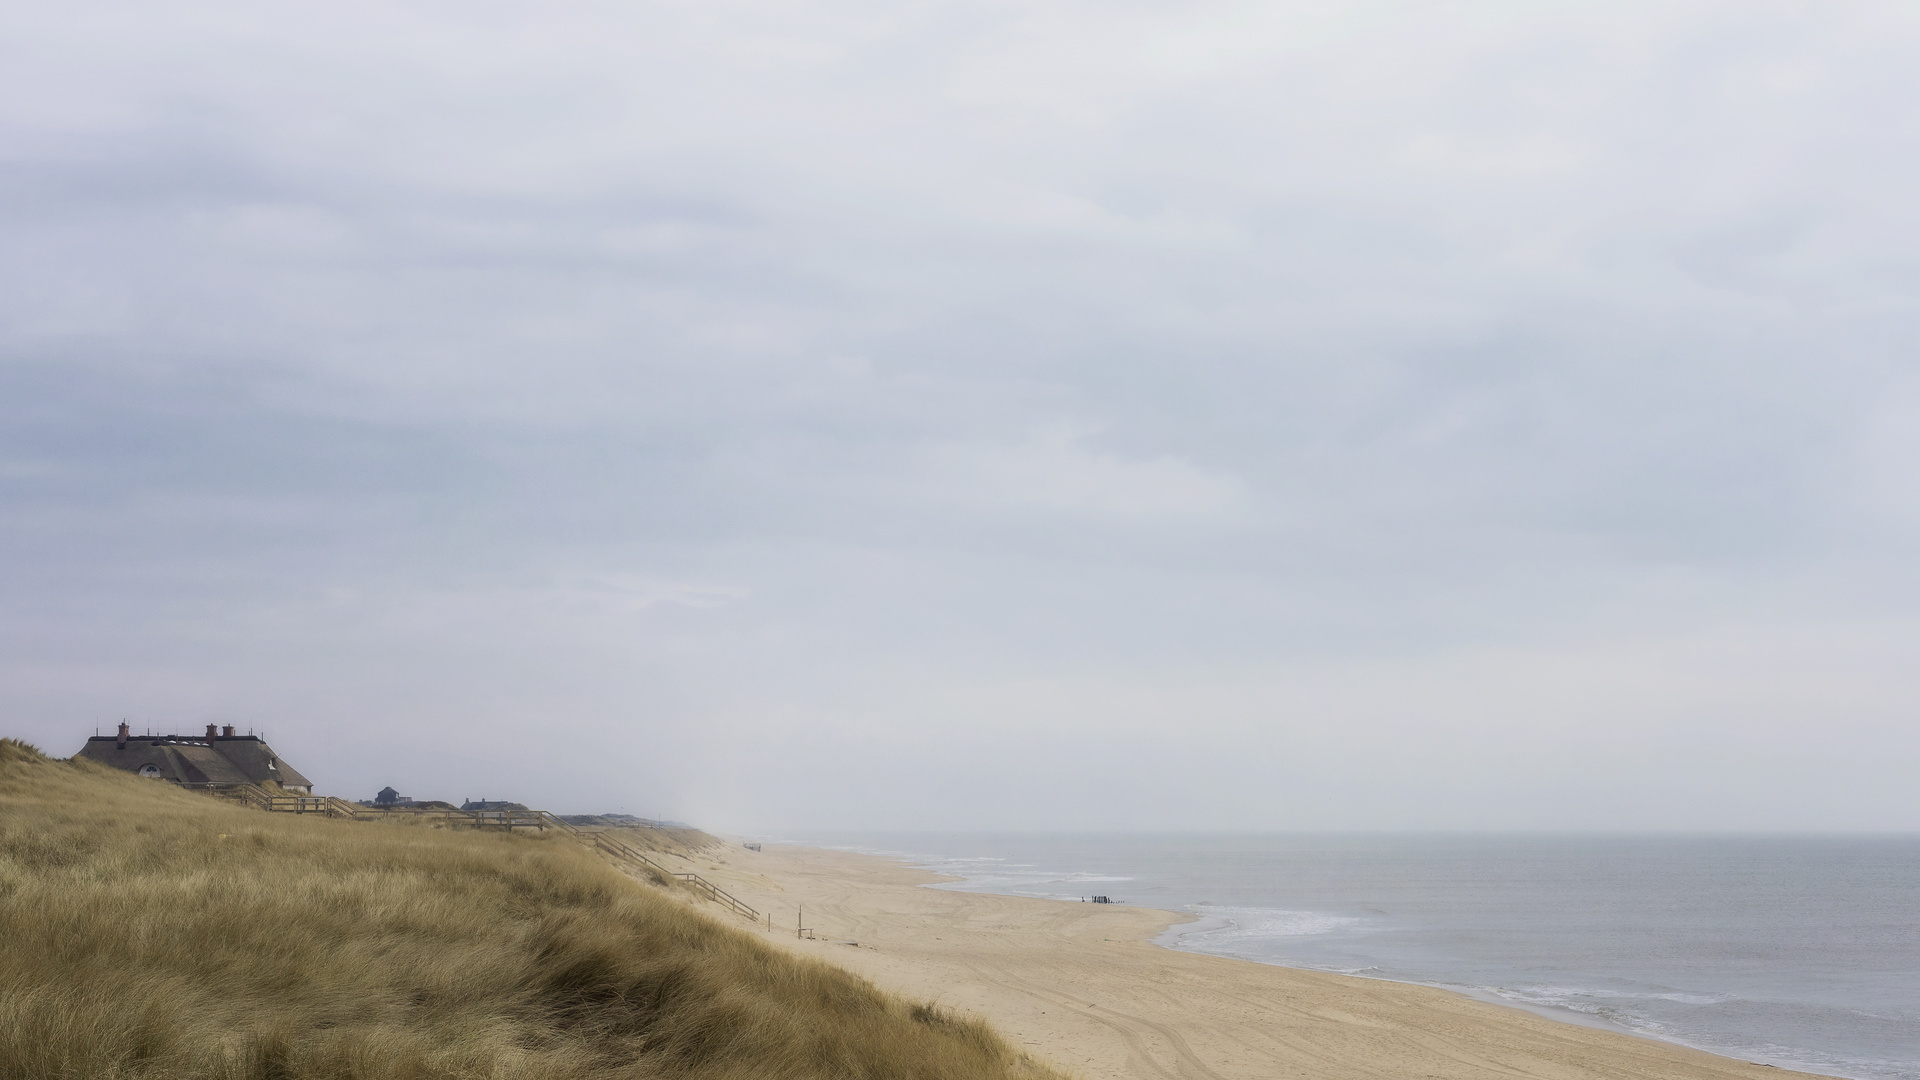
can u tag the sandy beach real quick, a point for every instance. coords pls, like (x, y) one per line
(1084, 987)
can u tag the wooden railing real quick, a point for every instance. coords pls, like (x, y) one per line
(249, 795)
(713, 892)
(261, 799)
(719, 895)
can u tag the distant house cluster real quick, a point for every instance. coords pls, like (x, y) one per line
(218, 759)
(223, 758)
(389, 799)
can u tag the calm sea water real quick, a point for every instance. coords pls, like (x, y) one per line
(1802, 952)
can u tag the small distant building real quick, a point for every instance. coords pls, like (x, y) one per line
(390, 797)
(403, 802)
(217, 759)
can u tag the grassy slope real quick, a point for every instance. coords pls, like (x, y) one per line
(668, 841)
(140, 941)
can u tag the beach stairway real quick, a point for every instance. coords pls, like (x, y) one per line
(718, 895)
(259, 798)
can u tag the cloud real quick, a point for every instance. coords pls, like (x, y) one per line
(1886, 465)
(791, 396)
(1055, 470)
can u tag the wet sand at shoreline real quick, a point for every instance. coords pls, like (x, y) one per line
(1084, 987)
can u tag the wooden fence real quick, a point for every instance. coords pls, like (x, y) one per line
(328, 806)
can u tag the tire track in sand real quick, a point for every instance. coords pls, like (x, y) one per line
(1187, 1064)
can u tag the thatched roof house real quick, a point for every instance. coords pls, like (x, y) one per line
(218, 759)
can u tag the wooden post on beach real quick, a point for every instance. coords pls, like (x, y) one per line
(799, 920)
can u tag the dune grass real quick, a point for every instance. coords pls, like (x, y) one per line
(151, 932)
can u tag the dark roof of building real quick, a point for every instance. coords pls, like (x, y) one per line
(195, 759)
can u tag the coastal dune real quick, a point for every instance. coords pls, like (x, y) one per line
(1083, 987)
(153, 933)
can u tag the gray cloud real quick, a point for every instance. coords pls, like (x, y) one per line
(860, 415)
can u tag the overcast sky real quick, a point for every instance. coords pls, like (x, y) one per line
(1008, 414)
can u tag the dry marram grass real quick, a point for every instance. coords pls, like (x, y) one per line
(151, 932)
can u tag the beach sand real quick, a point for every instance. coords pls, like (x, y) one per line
(1083, 987)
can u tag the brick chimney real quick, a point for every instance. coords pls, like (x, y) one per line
(227, 731)
(211, 728)
(123, 734)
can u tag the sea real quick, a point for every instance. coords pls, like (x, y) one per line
(1797, 951)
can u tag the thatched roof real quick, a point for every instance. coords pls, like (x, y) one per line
(196, 759)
